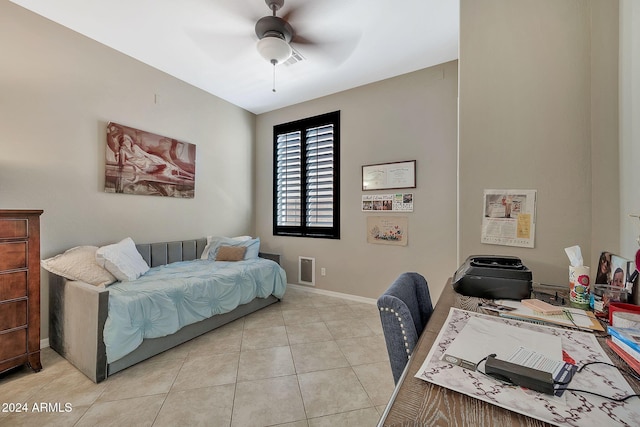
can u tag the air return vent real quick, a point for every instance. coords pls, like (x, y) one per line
(294, 58)
(307, 271)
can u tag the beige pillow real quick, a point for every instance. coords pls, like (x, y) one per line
(211, 241)
(79, 263)
(230, 253)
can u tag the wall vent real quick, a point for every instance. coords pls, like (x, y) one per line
(307, 270)
(294, 58)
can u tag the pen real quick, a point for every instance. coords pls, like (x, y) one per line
(495, 307)
(569, 316)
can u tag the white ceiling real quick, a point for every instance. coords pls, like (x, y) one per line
(211, 43)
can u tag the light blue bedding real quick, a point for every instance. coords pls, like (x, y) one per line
(168, 297)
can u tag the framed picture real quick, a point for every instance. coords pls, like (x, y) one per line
(389, 175)
(397, 202)
(387, 230)
(141, 162)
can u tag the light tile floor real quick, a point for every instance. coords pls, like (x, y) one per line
(310, 360)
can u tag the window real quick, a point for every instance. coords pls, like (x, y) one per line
(306, 183)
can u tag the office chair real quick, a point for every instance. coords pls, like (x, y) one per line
(405, 308)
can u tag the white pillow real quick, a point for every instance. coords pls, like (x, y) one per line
(123, 260)
(79, 263)
(207, 248)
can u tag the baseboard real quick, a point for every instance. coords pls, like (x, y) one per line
(44, 343)
(333, 294)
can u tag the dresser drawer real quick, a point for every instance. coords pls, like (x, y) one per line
(13, 285)
(13, 255)
(13, 344)
(13, 228)
(19, 289)
(13, 314)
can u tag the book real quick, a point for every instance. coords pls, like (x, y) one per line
(630, 360)
(570, 317)
(631, 352)
(542, 307)
(629, 336)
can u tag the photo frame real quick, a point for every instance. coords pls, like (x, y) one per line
(145, 163)
(614, 270)
(384, 176)
(387, 230)
(396, 202)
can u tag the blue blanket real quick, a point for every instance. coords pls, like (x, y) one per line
(168, 297)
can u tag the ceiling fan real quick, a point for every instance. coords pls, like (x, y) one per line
(274, 35)
(277, 38)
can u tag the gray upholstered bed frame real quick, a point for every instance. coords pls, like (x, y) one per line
(78, 311)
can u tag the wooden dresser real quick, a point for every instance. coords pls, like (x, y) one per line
(20, 289)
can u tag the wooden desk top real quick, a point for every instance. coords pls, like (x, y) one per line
(417, 403)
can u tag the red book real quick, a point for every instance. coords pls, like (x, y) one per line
(631, 361)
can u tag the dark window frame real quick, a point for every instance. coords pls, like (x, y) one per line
(303, 229)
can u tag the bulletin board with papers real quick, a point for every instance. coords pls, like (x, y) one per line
(509, 218)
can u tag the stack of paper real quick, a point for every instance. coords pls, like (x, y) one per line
(571, 317)
(482, 337)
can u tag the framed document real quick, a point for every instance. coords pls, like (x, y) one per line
(389, 175)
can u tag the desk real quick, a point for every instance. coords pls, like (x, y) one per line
(416, 402)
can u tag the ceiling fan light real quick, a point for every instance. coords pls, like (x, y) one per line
(274, 49)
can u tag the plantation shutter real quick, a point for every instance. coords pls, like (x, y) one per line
(319, 176)
(289, 179)
(306, 188)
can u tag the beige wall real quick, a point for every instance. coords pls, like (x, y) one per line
(605, 197)
(536, 111)
(58, 91)
(527, 88)
(629, 127)
(408, 117)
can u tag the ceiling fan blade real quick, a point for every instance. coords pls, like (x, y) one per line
(220, 45)
(229, 32)
(298, 39)
(334, 49)
(247, 10)
(307, 9)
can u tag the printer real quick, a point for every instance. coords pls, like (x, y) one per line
(493, 277)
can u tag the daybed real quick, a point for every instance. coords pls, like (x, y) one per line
(79, 311)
